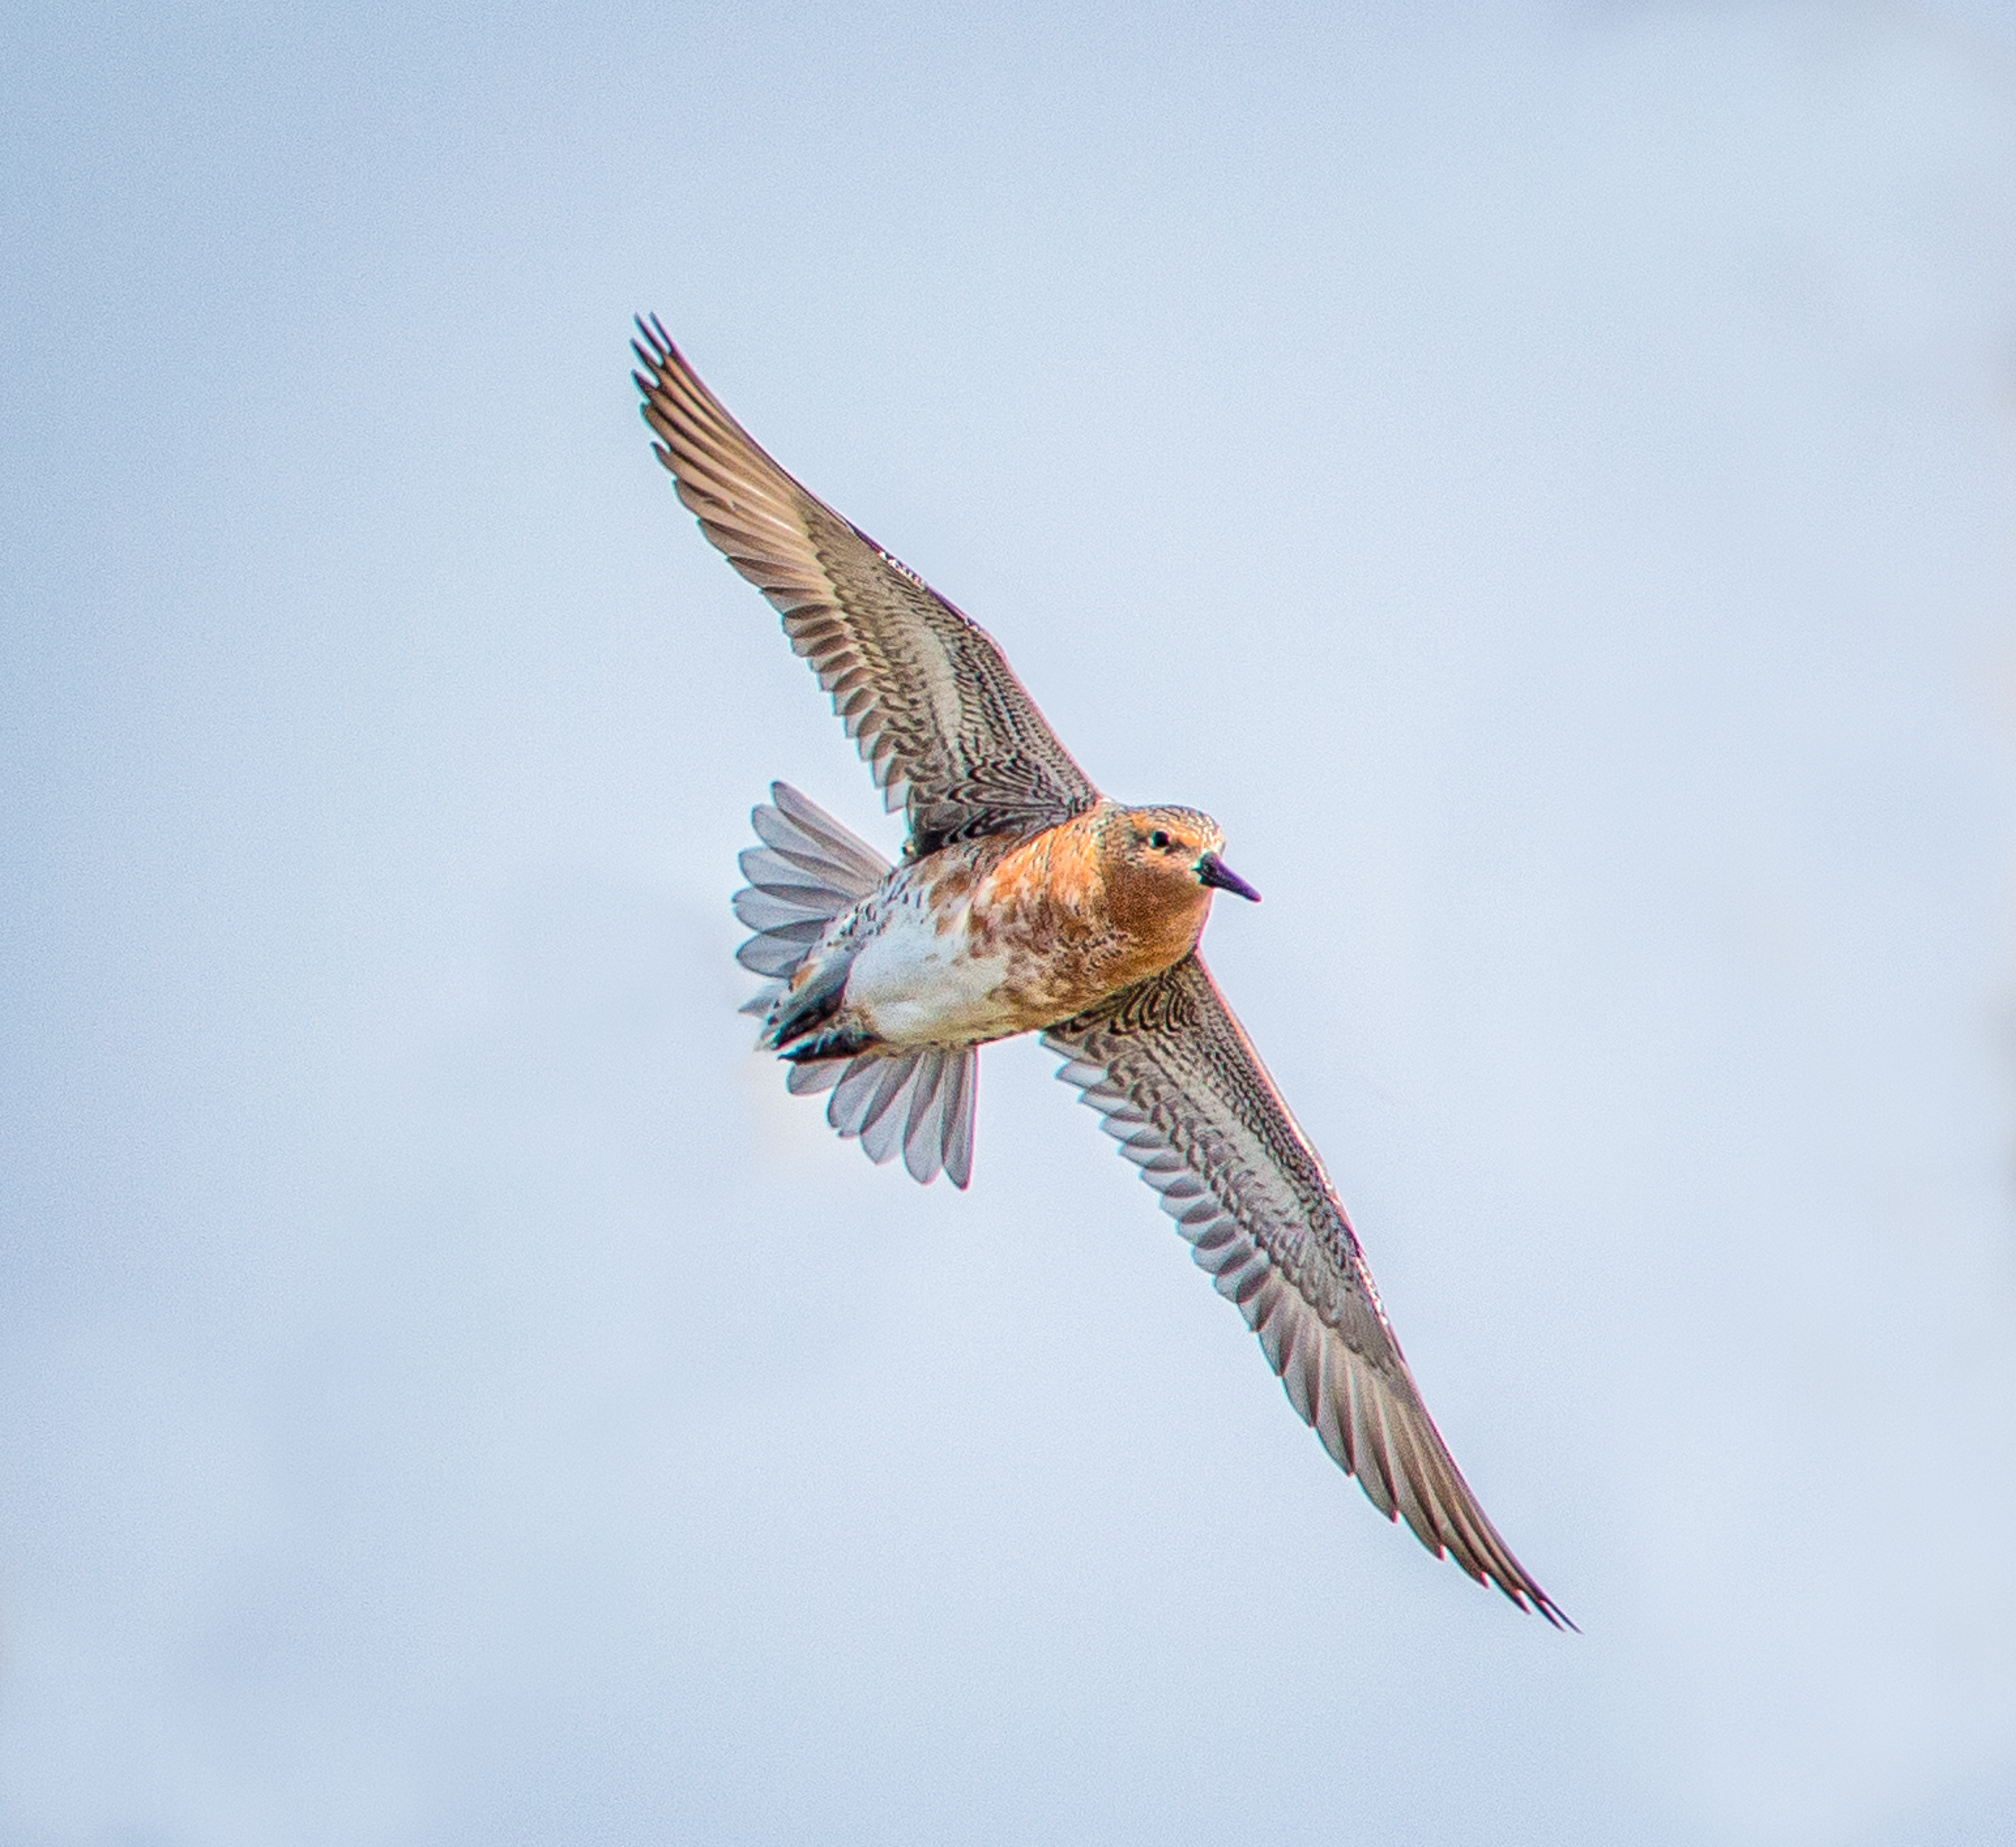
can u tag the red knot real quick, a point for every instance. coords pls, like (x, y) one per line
(1027, 902)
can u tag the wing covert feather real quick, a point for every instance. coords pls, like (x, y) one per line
(947, 731)
(1179, 1086)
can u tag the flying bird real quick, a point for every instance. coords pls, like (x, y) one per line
(1026, 901)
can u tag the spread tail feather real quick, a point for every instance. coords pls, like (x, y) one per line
(917, 1101)
(808, 870)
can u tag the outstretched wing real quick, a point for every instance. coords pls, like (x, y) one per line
(1180, 1085)
(946, 728)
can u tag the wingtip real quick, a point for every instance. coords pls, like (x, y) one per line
(653, 346)
(1547, 1607)
(1534, 1601)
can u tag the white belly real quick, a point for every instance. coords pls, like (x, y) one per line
(909, 984)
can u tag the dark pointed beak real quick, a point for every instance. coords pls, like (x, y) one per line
(1211, 869)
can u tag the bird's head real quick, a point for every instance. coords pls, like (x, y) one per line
(1171, 852)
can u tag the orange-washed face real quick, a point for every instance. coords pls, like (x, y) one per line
(1178, 847)
(1159, 867)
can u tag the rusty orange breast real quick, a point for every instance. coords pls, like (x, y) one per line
(1041, 892)
(1073, 922)
(1158, 912)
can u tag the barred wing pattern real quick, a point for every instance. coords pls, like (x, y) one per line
(945, 728)
(1179, 1084)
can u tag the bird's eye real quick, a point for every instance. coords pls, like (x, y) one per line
(1159, 840)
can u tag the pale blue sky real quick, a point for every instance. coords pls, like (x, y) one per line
(1541, 475)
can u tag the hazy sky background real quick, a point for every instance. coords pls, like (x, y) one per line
(1542, 475)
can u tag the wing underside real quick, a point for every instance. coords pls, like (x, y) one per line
(947, 732)
(1178, 1084)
